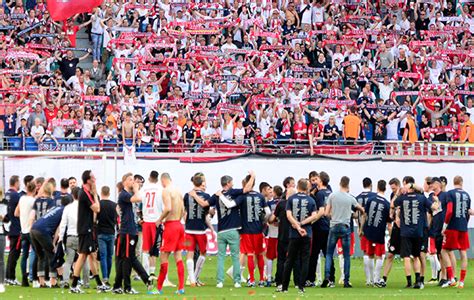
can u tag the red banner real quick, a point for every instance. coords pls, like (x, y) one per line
(61, 10)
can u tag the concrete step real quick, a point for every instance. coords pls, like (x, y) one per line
(82, 41)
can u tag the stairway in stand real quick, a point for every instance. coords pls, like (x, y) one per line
(82, 41)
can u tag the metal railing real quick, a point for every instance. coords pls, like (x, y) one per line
(376, 148)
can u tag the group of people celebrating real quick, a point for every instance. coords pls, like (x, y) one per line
(79, 229)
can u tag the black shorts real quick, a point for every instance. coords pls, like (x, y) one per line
(125, 245)
(155, 248)
(394, 242)
(410, 247)
(439, 244)
(425, 240)
(87, 244)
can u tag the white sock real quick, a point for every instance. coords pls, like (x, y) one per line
(438, 265)
(190, 267)
(242, 269)
(199, 264)
(269, 270)
(146, 262)
(371, 270)
(341, 266)
(318, 268)
(366, 268)
(152, 270)
(435, 265)
(378, 269)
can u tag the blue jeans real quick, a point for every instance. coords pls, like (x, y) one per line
(96, 46)
(25, 249)
(343, 232)
(106, 250)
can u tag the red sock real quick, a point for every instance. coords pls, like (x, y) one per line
(180, 267)
(251, 265)
(261, 266)
(162, 276)
(463, 275)
(449, 273)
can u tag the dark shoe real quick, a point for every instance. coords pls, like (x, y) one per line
(325, 283)
(408, 286)
(24, 282)
(417, 285)
(347, 285)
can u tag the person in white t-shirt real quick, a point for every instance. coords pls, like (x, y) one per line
(239, 133)
(152, 206)
(392, 125)
(385, 88)
(68, 227)
(37, 130)
(23, 210)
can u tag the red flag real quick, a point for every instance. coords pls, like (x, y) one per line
(61, 10)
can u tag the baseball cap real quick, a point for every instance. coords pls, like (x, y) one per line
(435, 179)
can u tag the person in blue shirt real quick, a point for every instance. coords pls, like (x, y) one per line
(41, 206)
(436, 226)
(374, 223)
(228, 224)
(196, 225)
(362, 200)
(320, 229)
(127, 239)
(455, 231)
(254, 212)
(413, 208)
(301, 213)
(42, 233)
(14, 234)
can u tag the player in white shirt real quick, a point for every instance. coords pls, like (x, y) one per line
(68, 226)
(152, 206)
(23, 211)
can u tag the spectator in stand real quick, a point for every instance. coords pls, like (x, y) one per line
(352, 127)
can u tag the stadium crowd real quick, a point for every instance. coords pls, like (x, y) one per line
(243, 72)
(61, 232)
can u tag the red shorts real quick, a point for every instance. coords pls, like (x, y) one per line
(363, 244)
(192, 239)
(148, 235)
(251, 243)
(455, 240)
(432, 246)
(173, 237)
(375, 249)
(339, 245)
(272, 244)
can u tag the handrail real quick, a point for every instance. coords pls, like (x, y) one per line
(386, 147)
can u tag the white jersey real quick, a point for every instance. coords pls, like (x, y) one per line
(152, 201)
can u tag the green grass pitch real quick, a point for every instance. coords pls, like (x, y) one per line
(394, 290)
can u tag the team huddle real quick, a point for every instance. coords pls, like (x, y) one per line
(61, 233)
